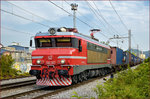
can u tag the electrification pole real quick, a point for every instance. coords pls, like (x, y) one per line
(137, 50)
(129, 41)
(74, 8)
(129, 45)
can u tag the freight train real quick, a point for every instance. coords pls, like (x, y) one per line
(64, 56)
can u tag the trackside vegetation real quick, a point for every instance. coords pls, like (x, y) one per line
(127, 84)
(6, 70)
(131, 83)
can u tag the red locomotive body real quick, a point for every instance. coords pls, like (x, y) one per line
(63, 56)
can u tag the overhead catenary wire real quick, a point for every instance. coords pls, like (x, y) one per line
(7, 28)
(135, 42)
(100, 14)
(76, 17)
(70, 14)
(91, 8)
(39, 16)
(24, 18)
(118, 15)
(83, 15)
(88, 19)
(32, 13)
(96, 15)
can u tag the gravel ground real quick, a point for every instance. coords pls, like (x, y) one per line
(17, 80)
(84, 90)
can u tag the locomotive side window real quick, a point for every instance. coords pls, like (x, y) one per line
(96, 48)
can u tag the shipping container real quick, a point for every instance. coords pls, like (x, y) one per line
(117, 56)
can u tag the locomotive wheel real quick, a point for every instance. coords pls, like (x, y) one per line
(87, 74)
(80, 77)
(96, 72)
(84, 75)
(102, 72)
(106, 71)
(75, 79)
(99, 73)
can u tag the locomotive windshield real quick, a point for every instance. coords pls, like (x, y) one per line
(56, 42)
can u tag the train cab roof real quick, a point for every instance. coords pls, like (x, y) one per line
(55, 32)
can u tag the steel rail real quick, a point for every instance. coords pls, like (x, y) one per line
(17, 84)
(22, 94)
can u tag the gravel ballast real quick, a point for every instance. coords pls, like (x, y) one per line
(83, 90)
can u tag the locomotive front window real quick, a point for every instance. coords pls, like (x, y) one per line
(63, 42)
(56, 42)
(43, 42)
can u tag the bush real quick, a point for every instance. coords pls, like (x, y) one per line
(6, 63)
(7, 71)
(127, 84)
(147, 60)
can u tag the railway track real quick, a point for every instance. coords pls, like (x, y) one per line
(21, 94)
(17, 84)
(49, 91)
(52, 90)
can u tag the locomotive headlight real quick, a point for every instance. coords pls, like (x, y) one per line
(38, 61)
(52, 31)
(62, 61)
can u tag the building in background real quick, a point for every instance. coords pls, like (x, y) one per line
(21, 55)
(142, 56)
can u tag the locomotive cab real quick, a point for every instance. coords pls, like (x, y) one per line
(54, 54)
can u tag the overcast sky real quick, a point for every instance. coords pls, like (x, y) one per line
(135, 15)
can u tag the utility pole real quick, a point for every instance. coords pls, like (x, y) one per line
(137, 50)
(129, 41)
(129, 31)
(117, 43)
(74, 8)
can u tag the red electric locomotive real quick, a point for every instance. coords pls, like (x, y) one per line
(63, 56)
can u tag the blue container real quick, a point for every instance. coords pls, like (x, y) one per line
(133, 59)
(126, 55)
(119, 56)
